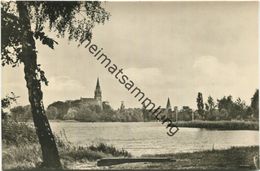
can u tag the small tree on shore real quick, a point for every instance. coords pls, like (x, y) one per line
(255, 104)
(200, 105)
(210, 109)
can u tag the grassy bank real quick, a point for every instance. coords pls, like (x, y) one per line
(21, 149)
(220, 125)
(28, 156)
(234, 158)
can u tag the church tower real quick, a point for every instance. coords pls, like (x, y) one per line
(168, 109)
(98, 92)
(168, 106)
(122, 107)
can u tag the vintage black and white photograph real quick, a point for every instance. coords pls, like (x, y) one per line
(130, 85)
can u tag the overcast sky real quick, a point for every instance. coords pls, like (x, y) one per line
(169, 49)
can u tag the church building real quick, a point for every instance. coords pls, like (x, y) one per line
(97, 100)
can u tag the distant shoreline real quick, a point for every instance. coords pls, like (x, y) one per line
(221, 125)
(212, 125)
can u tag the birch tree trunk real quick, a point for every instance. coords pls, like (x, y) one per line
(29, 58)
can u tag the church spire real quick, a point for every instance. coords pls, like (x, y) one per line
(98, 92)
(122, 107)
(97, 86)
(168, 106)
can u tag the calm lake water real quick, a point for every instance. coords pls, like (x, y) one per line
(150, 138)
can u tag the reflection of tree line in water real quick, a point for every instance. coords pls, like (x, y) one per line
(223, 109)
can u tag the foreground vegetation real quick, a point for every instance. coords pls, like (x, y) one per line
(220, 125)
(234, 158)
(21, 149)
(29, 155)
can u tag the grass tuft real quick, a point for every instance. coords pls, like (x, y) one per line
(109, 149)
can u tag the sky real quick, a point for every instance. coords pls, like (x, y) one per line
(169, 49)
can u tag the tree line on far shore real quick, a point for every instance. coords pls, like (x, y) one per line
(222, 109)
(227, 109)
(74, 110)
